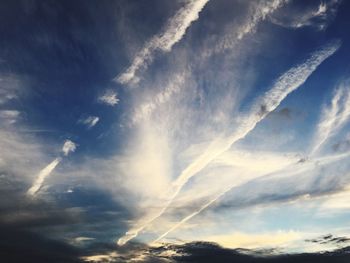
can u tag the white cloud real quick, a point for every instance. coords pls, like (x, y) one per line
(9, 116)
(285, 84)
(90, 121)
(333, 117)
(44, 173)
(68, 147)
(173, 33)
(258, 13)
(145, 110)
(318, 16)
(110, 98)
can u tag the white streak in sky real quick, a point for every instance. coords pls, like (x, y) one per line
(288, 170)
(68, 147)
(90, 121)
(42, 175)
(173, 33)
(333, 118)
(284, 85)
(110, 98)
(261, 11)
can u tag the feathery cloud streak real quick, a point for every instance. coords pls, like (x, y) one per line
(90, 121)
(67, 148)
(260, 12)
(284, 85)
(145, 110)
(287, 171)
(110, 98)
(333, 118)
(164, 41)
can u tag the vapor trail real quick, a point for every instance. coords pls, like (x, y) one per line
(173, 33)
(42, 175)
(293, 170)
(284, 85)
(67, 147)
(333, 118)
(259, 13)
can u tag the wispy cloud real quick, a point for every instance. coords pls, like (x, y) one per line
(145, 110)
(164, 41)
(67, 148)
(333, 117)
(110, 97)
(9, 116)
(44, 173)
(318, 16)
(284, 85)
(90, 121)
(305, 169)
(259, 12)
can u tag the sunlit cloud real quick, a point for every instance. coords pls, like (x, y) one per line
(333, 117)
(110, 98)
(318, 16)
(90, 121)
(164, 41)
(284, 85)
(67, 148)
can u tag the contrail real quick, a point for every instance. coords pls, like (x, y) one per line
(333, 118)
(67, 147)
(324, 160)
(284, 85)
(42, 175)
(164, 41)
(259, 13)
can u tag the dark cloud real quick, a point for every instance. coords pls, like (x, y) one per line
(208, 252)
(330, 239)
(204, 252)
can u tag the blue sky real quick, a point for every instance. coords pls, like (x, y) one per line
(143, 124)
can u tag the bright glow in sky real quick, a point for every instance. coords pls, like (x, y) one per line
(171, 130)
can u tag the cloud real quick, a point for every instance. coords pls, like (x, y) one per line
(9, 116)
(110, 98)
(172, 33)
(145, 110)
(201, 251)
(333, 117)
(317, 16)
(68, 147)
(42, 176)
(259, 12)
(90, 121)
(329, 239)
(10, 87)
(284, 85)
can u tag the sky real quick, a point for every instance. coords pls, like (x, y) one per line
(174, 131)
